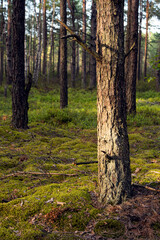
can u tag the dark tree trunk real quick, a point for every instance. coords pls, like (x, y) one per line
(58, 62)
(84, 83)
(63, 58)
(77, 63)
(113, 148)
(93, 45)
(19, 92)
(9, 45)
(131, 59)
(146, 41)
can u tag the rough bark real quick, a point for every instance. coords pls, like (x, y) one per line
(77, 60)
(146, 41)
(84, 83)
(9, 45)
(19, 91)
(131, 59)
(63, 58)
(93, 45)
(1, 43)
(113, 148)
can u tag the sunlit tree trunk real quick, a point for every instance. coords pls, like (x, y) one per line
(63, 58)
(44, 38)
(139, 43)
(146, 41)
(113, 148)
(84, 83)
(1, 43)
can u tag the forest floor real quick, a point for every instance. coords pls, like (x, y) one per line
(45, 194)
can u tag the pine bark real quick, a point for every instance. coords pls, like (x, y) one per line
(113, 147)
(93, 45)
(19, 91)
(146, 41)
(63, 58)
(84, 83)
(1, 43)
(139, 44)
(44, 38)
(131, 59)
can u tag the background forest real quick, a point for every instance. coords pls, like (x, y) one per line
(48, 157)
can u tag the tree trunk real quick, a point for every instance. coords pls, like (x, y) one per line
(19, 92)
(63, 58)
(1, 43)
(77, 63)
(131, 59)
(146, 41)
(84, 83)
(93, 45)
(139, 44)
(9, 45)
(113, 148)
(44, 39)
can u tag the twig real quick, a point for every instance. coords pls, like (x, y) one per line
(146, 187)
(36, 173)
(126, 55)
(81, 163)
(78, 39)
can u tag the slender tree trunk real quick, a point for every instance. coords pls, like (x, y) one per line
(84, 83)
(131, 59)
(63, 58)
(113, 147)
(77, 63)
(146, 41)
(139, 44)
(9, 45)
(93, 45)
(19, 92)
(1, 43)
(58, 62)
(158, 71)
(44, 38)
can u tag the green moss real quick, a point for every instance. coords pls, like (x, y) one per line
(109, 228)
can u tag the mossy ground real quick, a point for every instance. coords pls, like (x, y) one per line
(35, 206)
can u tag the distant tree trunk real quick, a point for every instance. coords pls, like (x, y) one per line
(131, 59)
(44, 38)
(63, 58)
(73, 65)
(19, 92)
(158, 71)
(9, 45)
(77, 63)
(1, 43)
(139, 44)
(146, 41)
(113, 148)
(58, 62)
(84, 83)
(93, 45)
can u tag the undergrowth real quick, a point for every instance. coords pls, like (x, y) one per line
(58, 198)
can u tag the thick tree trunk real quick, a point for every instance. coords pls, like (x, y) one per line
(92, 83)
(131, 59)
(9, 45)
(84, 83)
(113, 147)
(146, 41)
(63, 58)
(19, 92)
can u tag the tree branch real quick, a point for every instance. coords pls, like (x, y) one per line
(126, 55)
(78, 39)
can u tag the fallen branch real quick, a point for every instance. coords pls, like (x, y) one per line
(146, 187)
(36, 173)
(78, 39)
(81, 163)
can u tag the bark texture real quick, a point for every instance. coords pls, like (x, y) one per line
(19, 92)
(93, 45)
(113, 148)
(84, 83)
(131, 59)
(9, 45)
(63, 58)
(146, 41)
(44, 38)
(139, 43)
